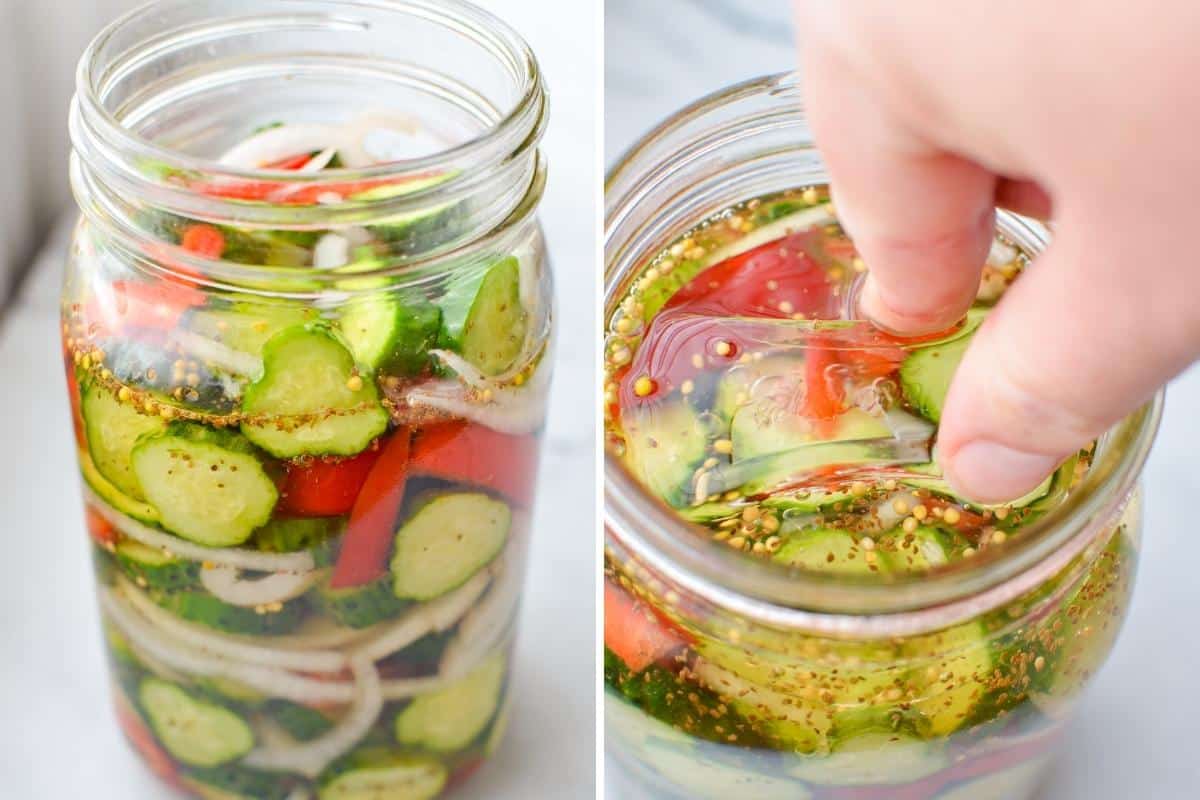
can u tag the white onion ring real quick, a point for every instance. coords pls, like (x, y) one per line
(512, 410)
(226, 585)
(331, 251)
(272, 681)
(300, 563)
(227, 645)
(213, 352)
(276, 144)
(484, 624)
(320, 161)
(431, 617)
(793, 223)
(312, 757)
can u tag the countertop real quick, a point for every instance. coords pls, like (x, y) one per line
(1135, 733)
(59, 741)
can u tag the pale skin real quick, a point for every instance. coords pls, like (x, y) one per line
(930, 114)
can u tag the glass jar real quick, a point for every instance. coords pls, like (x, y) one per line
(307, 331)
(949, 683)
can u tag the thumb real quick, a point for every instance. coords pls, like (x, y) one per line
(1080, 340)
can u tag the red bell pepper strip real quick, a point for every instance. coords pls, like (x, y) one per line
(100, 529)
(471, 453)
(824, 394)
(293, 194)
(372, 525)
(291, 162)
(203, 240)
(325, 488)
(633, 631)
(159, 306)
(142, 739)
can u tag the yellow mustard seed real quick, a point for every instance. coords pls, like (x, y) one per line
(900, 505)
(723, 348)
(624, 325)
(723, 446)
(643, 386)
(354, 383)
(698, 361)
(952, 515)
(920, 511)
(124, 394)
(810, 196)
(909, 525)
(687, 387)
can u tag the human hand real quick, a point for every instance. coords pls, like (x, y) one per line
(929, 118)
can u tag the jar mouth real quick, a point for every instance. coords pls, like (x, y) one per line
(177, 59)
(655, 535)
(105, 62)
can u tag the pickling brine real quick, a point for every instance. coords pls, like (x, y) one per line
(743, 392)
(308, 375)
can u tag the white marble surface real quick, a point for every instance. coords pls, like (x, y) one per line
(57, 740)
(1134, 736)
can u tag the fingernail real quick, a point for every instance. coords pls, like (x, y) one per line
(989, 472)
(892, 318)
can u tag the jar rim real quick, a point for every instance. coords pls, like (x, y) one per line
(655, 535)
(521, 121)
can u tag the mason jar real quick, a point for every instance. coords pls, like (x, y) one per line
(753, 680)
(307, 331)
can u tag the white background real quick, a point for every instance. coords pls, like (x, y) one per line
(1136, 734)
(57, 738)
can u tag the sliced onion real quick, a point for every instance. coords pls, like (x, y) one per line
(793, 223)
(353, 136)
(228, 585)
(226, 645)
(432, 617)
(484, 624)
(213, 352)
(404, 688)
(275, 682)
(276, 144)
(312, 757)
(513, 410)
(230, 557)
(332, 250)
(320, 161)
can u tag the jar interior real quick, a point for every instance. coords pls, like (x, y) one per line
(217, 71)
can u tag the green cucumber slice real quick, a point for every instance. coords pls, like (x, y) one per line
(295, 534)
(154, 568)
(664, 444)
(926, 373)
(825, 550)
(311, 397)
(390, 333)
(110, 494)
(873, 757)
(112, 429)
(207, 485)
(248, 327)
(949, 685)
(483, 318)
(701, 777)
(195, 731)
(301, 722)
(205, 609)
(793, 721)
(453, 717)
(923, 549)
(410, 778)
(236, 782)
(446, 541)
(363, 606)
(810, 502)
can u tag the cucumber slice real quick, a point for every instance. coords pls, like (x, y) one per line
(826, 550)
(483, 317)
(795, 722)
(114, 496)
(195, 731)
(301, 722)
(151, 567)
(363, 606)
(810, 502)
(112, 429)
(446, 541)
(951, 670)
(756, 431)
(410, 778)
(923, 549)
(312, 398)
(664, 444)
(235, 782)
(207, 610)
(452, 718)
(390, 333)
(873, 757)
(207, 485)
(686, 770)
(295, 534)
(247, 327)
(926, 374)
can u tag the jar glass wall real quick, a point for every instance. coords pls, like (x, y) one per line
(307, 330)
(729, 676)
